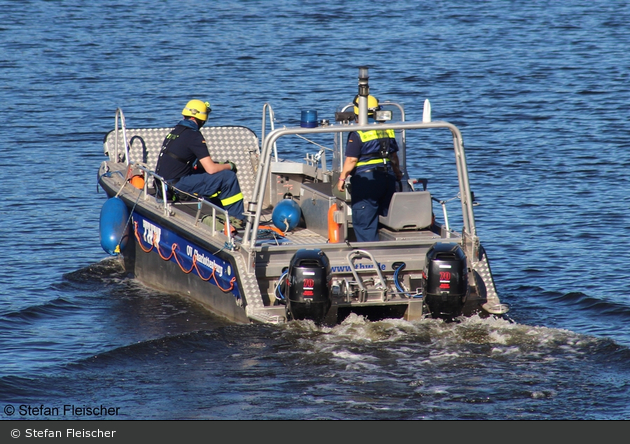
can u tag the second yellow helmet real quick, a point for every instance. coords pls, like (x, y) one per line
(372, 105)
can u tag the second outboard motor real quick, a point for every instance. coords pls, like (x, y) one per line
(445, 280)
(309, 283)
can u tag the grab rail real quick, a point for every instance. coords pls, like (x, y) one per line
(119, 111)
(264, 126)
(201, 202)
(379, 285)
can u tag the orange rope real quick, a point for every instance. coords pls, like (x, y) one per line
(174, 247)
(135, 229)
(272, 228)
(199, 272)
(213, 276)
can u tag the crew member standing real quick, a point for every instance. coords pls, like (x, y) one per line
(372, 162)
(183, 148)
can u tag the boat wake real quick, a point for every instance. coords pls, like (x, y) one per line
(471, 361)
(498, 335)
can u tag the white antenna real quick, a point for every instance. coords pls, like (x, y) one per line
(426, 114)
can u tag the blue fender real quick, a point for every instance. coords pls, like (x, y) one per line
(286, 215)
(113, 227)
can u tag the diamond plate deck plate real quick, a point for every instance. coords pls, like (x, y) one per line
(249, 284)
(483, 268)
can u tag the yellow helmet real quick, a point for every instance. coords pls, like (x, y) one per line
(372, 105)
(197, 109)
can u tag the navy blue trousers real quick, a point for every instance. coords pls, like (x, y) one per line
(224, 182)
(371, 193)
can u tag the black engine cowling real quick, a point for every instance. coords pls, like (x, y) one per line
(308, 285)
(445, 280)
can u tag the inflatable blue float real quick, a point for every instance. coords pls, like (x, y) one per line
(286, 215)
(113, 227)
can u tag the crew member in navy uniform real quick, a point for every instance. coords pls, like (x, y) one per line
(185, 163)
(372, 162)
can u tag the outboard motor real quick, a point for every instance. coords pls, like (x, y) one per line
(309, 283)
(445, 280)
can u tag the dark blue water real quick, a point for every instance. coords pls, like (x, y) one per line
(541, 92)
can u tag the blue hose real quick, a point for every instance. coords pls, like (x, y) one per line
(398, 286)
(278, 290)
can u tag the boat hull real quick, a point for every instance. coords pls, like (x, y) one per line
(207, 280)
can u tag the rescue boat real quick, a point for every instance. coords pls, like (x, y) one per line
(297, 258)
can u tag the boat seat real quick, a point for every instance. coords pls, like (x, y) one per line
(236, 143)
(409, 210)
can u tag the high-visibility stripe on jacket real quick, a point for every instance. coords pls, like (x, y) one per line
(371, 149)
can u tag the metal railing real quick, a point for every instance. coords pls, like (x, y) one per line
(119, 112)
(272, 119)
(211, 210)
(269, 141)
